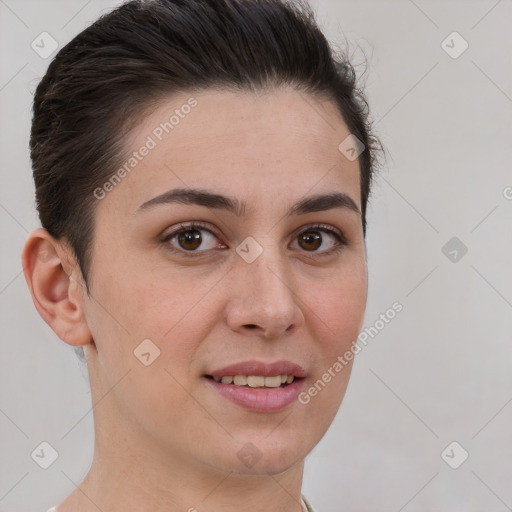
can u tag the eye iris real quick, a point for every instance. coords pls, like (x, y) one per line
(315, 239)
(191, 236)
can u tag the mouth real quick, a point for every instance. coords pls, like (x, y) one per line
(256, 381)
(258, 386)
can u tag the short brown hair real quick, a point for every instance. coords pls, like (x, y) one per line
(101, 82)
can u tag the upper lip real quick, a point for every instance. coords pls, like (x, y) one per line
(265, 369)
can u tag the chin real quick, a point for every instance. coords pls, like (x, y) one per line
(264, 456)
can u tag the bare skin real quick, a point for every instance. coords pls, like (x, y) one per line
(166, 439)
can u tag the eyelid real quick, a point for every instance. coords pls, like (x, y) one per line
(183, 226)
(325, 228)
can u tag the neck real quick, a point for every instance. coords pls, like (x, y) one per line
(130, 471)
(120, 480)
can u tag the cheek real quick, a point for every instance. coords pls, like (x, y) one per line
(151, 301)
(336, 316)
(175, 308)
(338, 308)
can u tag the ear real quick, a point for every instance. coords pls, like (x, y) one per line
(56, 285)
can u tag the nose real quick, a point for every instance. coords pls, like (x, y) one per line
(263, 300)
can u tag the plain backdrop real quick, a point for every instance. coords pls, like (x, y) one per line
(435, 384)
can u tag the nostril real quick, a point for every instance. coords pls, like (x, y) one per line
(251, 326)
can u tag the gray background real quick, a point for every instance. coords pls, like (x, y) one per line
(438, 372)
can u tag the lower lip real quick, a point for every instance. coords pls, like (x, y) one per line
(260, 399)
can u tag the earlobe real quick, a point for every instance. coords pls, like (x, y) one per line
(48, 267)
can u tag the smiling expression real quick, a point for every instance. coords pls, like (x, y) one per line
(236, 239)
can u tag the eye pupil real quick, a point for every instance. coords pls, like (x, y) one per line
(191, 236)
(315, 239)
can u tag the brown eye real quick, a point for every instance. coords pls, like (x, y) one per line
(190, 239)
(321, 240)
(310, 240)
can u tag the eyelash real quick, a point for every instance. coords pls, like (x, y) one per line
(325, 228)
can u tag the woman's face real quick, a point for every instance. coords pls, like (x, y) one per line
(259, 283)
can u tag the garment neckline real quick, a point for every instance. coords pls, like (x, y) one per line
(306, 506)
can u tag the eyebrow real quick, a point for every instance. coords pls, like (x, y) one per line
(315, 203)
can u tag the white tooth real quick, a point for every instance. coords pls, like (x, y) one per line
(289, 379)
(240, 380)
(273, 382)
(283, 378)
(227, 379)
(256, 381)
(216, 379)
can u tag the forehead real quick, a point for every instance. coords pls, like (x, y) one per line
(261, 146)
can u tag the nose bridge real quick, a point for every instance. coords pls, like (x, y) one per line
(264, 296)
(270, 280)
(266, 268)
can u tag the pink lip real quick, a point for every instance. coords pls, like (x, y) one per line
(260, 399)
(260, 368)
